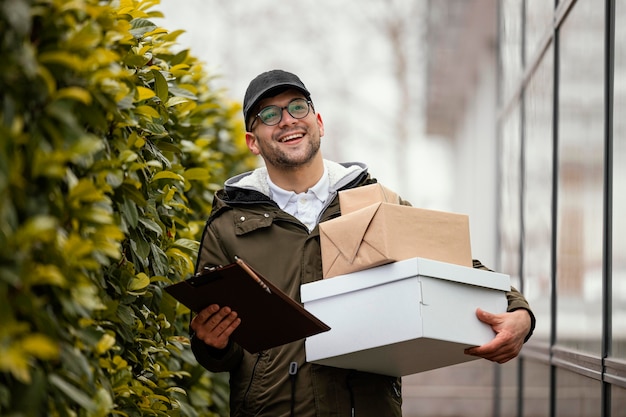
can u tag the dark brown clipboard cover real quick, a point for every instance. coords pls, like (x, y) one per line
(269, 317)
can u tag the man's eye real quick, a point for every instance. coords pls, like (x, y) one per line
(268, 114)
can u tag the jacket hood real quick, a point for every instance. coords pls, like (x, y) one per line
(340, 174)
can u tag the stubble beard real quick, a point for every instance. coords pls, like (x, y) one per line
(278, 158)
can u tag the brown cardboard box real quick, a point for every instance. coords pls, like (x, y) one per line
(382, 233)
(357, 198)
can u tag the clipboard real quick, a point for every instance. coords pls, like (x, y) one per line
(269, 317)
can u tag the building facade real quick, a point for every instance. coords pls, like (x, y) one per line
(532, 93)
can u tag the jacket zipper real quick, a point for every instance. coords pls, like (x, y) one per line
(256, 363)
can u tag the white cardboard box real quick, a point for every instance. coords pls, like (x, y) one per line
(402, 318)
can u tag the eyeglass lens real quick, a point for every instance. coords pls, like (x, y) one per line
(272, 115)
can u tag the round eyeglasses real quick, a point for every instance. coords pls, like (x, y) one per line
(298, 108)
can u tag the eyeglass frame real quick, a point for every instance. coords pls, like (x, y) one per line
(282, 109)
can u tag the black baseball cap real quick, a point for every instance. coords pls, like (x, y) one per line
(274, 81)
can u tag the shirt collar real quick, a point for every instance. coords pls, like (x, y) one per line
(282, 197)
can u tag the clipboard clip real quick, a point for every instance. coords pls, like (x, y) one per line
(208, 269)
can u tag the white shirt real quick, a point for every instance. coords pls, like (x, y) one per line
(306, 206)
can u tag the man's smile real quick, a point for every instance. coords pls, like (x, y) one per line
(291, 137)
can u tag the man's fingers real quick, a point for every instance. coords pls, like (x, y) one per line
(214, 325)
(228, 330)
(204, 315)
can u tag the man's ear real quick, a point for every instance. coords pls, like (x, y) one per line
(251, 141)
(320, 124)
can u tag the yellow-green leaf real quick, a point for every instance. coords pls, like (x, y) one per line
(173, 101)
(86, 191)
(74, 93)
(140, 281)
(88, 37)
(178, 254)
(62, 58)
(38, 228)
(144, 93)
(14, 360)
(105, 343)
(196, 174)
(148, 111)
(46, 274)
(167, 175)
(40, 346)
(87, 296)
(171, 37)
(156, 32)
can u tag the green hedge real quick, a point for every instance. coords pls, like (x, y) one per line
(111, 145)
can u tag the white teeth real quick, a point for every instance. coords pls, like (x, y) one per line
(290, 137)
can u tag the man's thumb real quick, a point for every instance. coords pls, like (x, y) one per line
(484, 316)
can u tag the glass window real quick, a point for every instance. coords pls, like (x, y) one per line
(510, 148)
(536, 401)
(511, 46)
(619, 185)
(577, 395)
(618, 401)
(538, 195)
(539, 14)
(508, 389)
(580, 186)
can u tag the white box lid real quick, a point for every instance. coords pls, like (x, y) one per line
(400, 270)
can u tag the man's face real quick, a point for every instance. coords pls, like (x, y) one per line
(292, 142)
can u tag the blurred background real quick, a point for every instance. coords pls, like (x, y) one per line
(363, 63)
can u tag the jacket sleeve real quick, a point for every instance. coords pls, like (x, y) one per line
(515, 300)
(214, 360)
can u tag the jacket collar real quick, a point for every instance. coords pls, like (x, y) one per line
(339, 175)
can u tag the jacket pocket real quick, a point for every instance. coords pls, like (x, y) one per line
(375, 395)
(246, 222)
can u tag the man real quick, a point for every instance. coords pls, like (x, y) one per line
(270, 216)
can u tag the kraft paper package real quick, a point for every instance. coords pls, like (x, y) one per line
(372, 232)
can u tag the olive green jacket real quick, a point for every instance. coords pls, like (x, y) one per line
(245, 222)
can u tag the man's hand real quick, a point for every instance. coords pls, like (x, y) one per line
(214, 325)
(511, 329)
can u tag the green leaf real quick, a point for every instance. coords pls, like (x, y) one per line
(181, 92)
(181, 56)
(74, 93)
(173, 101)
(147, 111)
(129, 212)
(63, 58)
(46, 274)
(87, 37)
(140, 26)
(129, 190)
(167, 175)
(196, 174)
(188, 244)
(85, 191)
(75, 394)
(40, 346)
(139, 282)
(151, 225)
(37, 228)
(160, 86)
